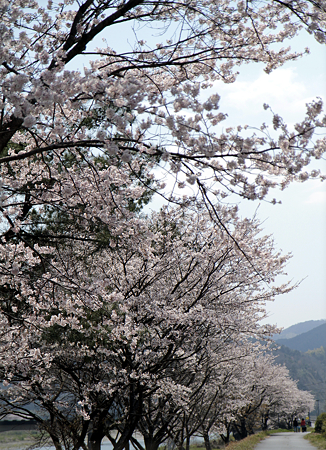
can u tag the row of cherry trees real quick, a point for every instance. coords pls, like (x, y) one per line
(113, 321)
(244, 394)
(122, 322)
(149, 329)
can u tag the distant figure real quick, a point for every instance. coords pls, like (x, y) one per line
(303, 425)
(295, 425)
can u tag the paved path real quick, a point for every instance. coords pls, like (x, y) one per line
(285, 441)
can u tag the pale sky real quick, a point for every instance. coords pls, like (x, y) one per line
(299, 224)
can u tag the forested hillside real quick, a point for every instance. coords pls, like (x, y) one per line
(308, 368)
(310, 340)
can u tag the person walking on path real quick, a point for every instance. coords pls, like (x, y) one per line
(295, 425)
(303, 425)
(285, 441)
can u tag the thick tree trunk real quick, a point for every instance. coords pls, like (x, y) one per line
(95, 445)
(7, 130)
(95, 439)
(207, 441)
(243, 428)
(264, 422)
(239, 430)
(226, 437)
(56, 443)
(151, 443)
(187, 442)
(135, 411)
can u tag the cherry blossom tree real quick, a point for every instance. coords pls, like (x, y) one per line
(208, 386)
(100, 305)
(88, 334)
(240, 393)
(146, 102)
(268, 395)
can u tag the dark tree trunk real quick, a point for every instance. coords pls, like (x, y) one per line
(135, 412)
(151, 443)
(56, 442)
(95, 445)
(240, 430)
(207, 441)
(226, 437)
(95, 440)
(264, 422)
(243, 428)
(7, 130)
(188, 442)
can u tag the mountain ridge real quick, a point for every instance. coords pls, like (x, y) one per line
(310, 340)
(303, 352)
(298, 328)
(308, 369)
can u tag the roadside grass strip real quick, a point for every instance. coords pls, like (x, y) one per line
(316, 439)
(250, 442)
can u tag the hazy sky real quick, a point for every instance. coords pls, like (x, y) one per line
(299, 223)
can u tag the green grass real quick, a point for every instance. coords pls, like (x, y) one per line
(10, 440)
(317, 440)
(249, 443)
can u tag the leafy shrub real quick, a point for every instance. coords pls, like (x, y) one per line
(320, 425)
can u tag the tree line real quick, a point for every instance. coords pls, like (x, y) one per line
(113, 320)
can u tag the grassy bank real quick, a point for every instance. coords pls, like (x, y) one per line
(13, 440)
(249, 443)
(317, 440)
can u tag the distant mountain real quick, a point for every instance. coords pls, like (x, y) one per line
(303, 352)
(309, 369)
(297, 329)
(310, 340)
